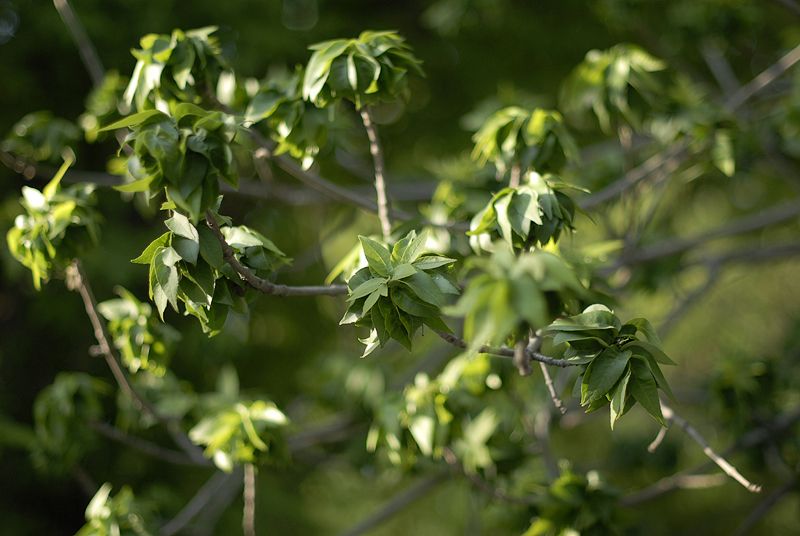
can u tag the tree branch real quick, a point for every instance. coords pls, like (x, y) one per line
(400, 501)
(548, 381)
(262, 285)
(249, 497)
(85, 47)
(200, 501)
(144, 446)
(679, 150)
(77, 280)
(503, 351)
(672, 483)
(722, 463)
(765, 506)
(380, 183)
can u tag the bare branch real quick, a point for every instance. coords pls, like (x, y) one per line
(653, 446)
(200, 501)
(395, 505)
(262, 285)
(249, 497)
(751, 439)
(142, 445)
(503, 351)
(764, 79)
(380, 183)
(85, 47)
(689, 300)
(721, 462)
(672, 483)
(719, 67)
(548, 381)
(791, 5)
(77, 280)
(763, 508)
(752, 222)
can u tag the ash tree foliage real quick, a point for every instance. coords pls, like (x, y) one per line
(492, 273)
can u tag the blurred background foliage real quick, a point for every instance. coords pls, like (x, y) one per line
(732, 329)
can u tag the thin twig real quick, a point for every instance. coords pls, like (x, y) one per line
(77, 280)
(719, 67)
(672, 483)
(85, 47)
(144, 446)
(722, 463)
(751, 439)
(662, 433)
(764, 79)
(548, 381)
(380, 181)
(503, 351)
(400, 501)
(752, 222)
(200, 501)
(689, 300)
(520, 358)
(262, 285)
(791, 5)
(763, 508)
(249, 497)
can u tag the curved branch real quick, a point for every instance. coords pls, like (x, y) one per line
(262, 285)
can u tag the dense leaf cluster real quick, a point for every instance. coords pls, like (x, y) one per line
(186, 154)
(531, 214)
(401, 289)
(186, 264)
(58, 224)
(620, 367)
(369, 69)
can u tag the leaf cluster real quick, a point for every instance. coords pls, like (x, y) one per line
(181, 66)
(58, 224)
(142, 341)
(531, 214)
(370, 69)
(400, 290)
(601, 84)
(509, 295)
(298, 127)
(620, 362)
(233, 430)
(62, 415)
(187, 265)
(577, 504)
(120, 515)
(530, 139)
(185, 153)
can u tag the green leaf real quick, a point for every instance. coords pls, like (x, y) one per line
(378, 257)
(181, 226)
(647, 329)
(210, 248)
(365, 288)
(722, 153)
(141, 185)
(132, 120)
(402, 271)
(644, 390)
(373, 298)
(642, 348)
(602, 373)
(425, 288)
(618, 397)
(429, 262)
(149, 252)
(422, 428)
